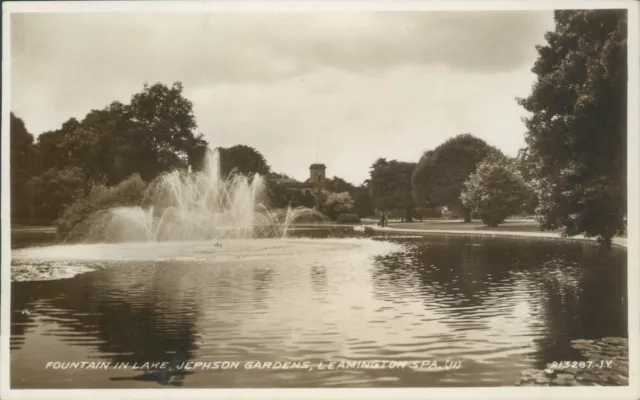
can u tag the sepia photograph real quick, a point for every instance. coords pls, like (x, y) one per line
(340, 199)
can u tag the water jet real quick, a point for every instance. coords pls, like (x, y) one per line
(192, 206)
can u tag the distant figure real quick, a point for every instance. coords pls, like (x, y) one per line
(385, 220)
(381, 222)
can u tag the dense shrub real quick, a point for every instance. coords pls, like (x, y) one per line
(346, 218)
(129, 192)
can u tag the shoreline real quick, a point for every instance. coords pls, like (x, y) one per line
(620, 242)
(473, 230)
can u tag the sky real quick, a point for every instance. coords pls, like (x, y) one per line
(339, 88)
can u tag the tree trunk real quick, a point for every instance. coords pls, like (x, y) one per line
(409, 214)
(467, 214)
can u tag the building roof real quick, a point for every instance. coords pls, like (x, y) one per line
(317, 166)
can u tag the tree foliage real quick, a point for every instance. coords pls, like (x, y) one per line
(335, 204)
(49, 193)
(524, 165)
(151, 135)
(390, 186)
(129, 192)
(243, 160)
(301, 199)
(363, 203)
(577, 131)
(439, 177)
(24, 163)
(494, 191)
(338, 185)
(51, 148)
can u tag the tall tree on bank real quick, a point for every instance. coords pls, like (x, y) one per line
(390, 186)
(438, 179)
(577, 132)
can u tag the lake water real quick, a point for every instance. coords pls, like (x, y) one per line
(496, 306)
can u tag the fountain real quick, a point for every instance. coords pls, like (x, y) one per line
(192, 206)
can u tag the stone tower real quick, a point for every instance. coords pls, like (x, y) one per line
(317, 174)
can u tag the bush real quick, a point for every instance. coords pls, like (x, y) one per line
(345, 218)
(129, 192)
(495, 191)
(335, 204)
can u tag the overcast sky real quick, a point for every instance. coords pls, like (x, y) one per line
(340, 88)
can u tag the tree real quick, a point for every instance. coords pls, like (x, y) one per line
(243, 160)
(525, 167)
(151, 135)
(276, 195)
(277, 175)
(390, 186)
(439, 177)
(335, 204)
(363, 203)
(54, 190)
(25, 163)
(339, 185)
(577, 131)
(98, 145)
(162, 130)
(50, 145)
(301, 199)
(494, 191)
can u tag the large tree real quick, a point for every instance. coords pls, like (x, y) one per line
(243, 160)
(164, 125)
(152, 134)
(439, 177)
(577, 129)
(51, 145)
(390, 186)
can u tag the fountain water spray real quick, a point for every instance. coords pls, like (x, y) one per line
(187, 205)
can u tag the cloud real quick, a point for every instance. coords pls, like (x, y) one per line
(349, 120)
(349, 86)
(233, 47)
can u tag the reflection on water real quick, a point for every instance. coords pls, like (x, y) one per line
(497, 305)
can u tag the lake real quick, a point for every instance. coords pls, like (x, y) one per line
(490, 307)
